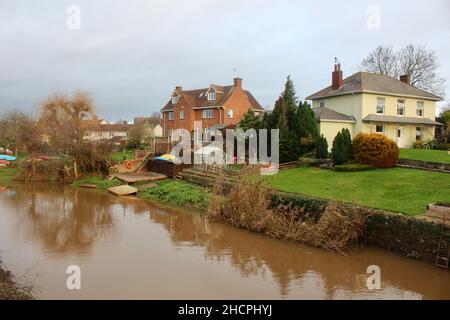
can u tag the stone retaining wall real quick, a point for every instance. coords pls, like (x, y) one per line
(425, 164)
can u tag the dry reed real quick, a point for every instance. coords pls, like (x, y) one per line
(248, 205)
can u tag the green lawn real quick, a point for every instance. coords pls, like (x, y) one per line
(441, 156)
(118, 155)
(401, 190)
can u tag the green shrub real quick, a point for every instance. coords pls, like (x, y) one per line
(429, 145)
(321, 148)
(376, 150)
(341, 151)
(307, 162)
(443, 146)
(417, 145)
(353, 167)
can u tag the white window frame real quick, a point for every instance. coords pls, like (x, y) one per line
(212, 95)
(170, 115)
(401, 106)
(182, 115)
(175, 99)
(380, 105)
(420, 108)
(208, 113)
(321, 103)
(382, 128)
(230, 113)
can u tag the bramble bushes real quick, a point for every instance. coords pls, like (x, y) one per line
(375, 150)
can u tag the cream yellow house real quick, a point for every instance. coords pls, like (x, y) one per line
(373, 103)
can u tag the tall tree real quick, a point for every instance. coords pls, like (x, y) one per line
(417, 61)
(422, 66)
(11, 124)
(250, 121)
(382, 60)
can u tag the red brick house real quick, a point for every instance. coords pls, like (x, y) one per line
(215, 106)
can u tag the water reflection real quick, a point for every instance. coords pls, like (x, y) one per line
(65, 220)
(75, 221)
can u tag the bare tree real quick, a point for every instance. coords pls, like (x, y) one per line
(32, 139)
(418, 62)
(10, 126)
(382, 60)
(421, 65)
(62, 116)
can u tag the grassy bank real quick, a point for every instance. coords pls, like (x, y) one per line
(9, 290)
(174, 192)
(440, 156)
(119, 156)
(179, 193)
(101, 183)
(400, 190)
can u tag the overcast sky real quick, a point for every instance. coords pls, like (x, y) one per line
(130, 54)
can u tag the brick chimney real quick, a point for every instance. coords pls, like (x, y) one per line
(406, 78)
(178, 88)
(337, 80)
(237, 82)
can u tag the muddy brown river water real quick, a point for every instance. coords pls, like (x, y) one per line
(132, 249)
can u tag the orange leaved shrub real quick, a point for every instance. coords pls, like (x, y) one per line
(376, 150)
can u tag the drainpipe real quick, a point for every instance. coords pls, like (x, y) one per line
(356, 118)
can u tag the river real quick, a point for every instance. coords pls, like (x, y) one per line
(128, 248)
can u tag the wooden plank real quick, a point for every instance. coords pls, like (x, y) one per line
(88, 186)
(124, 190)
(140, 177)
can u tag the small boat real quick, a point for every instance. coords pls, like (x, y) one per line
(5, 162)
(7, 158)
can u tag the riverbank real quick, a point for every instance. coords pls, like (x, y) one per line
(304, 219)
(9, 289)
(173, 192)
(7, 175)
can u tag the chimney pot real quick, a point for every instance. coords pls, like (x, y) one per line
(406, 78)
(237, 82)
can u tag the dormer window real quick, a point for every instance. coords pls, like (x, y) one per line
(175, 98)
(211, 95)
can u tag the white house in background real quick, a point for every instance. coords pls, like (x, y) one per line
(95, 130)
(373, 103)
(153, 124)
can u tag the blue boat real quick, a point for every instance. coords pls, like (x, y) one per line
(7, 158)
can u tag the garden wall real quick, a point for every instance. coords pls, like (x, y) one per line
(410, 236)
(425, 164)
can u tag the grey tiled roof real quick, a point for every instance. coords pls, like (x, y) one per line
(402, 120)
(328, 114)
(374, 83)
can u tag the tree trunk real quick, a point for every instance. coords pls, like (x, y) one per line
(75, 169)
(33, 166)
